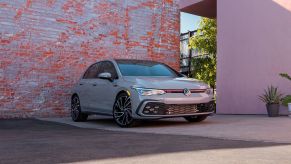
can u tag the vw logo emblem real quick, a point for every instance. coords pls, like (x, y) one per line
(187, 92)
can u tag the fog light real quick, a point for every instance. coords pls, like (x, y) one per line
(154, 108)
(147, 107)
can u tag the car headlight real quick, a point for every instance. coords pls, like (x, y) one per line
(148, 92)
(209, 91)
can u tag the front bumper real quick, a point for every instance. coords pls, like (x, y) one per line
(171, 105)
(154, 109)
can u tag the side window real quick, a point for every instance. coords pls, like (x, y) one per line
(92, 71)
(109, 67)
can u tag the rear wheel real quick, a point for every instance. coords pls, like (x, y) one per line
(76, 112)
(122, 112)
(196, 118)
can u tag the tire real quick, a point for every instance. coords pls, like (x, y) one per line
(196, 118)
(76, 112)
(122, 112)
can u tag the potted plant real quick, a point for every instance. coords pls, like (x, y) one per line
(272, 99)
(286, 101)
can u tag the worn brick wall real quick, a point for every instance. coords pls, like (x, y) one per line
(46, 44)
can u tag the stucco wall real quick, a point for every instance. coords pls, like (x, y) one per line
(254, 46)
(46, 44)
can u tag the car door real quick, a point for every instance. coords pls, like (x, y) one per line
(92, 90)
(85, 86)
(104, 91)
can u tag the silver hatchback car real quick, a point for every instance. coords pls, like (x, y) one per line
(131, 90)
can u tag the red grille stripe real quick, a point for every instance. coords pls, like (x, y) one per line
(182, 90)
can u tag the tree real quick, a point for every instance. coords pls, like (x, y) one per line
(205, 69)
(204, 40)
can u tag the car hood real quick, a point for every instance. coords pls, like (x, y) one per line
(166, 82)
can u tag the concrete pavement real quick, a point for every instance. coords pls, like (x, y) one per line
(234, 127)
(35, 141)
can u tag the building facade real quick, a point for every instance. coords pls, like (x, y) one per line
(46, 45)
(186, 53)
(254, 39)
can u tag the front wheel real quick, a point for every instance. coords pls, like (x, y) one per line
(196, 118)
(122, 112)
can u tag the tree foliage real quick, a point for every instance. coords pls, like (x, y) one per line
(205, 69)
(204, 40)
(287, 99)
(285, 75)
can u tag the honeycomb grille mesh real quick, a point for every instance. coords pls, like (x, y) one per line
(182, 109)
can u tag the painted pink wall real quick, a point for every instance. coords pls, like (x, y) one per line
(254, 46)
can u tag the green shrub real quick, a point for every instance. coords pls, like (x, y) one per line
(286, 99)
(204, 69)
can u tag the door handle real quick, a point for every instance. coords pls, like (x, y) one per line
(81, 84)
(94, 85)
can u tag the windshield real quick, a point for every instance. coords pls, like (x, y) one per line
(145, 68)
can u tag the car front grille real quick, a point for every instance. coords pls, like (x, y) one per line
(156, 108)
(182, 109)
(182, 90)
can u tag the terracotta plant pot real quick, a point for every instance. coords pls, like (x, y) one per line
(273, 110)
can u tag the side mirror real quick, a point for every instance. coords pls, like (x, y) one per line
(106, 76)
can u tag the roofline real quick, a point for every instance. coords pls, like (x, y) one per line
(188, 32)
(149, 60)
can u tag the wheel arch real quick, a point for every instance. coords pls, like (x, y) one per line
(120, 92)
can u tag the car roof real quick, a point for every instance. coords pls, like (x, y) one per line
(135, 61)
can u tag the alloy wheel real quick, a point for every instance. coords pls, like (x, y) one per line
(122, 112)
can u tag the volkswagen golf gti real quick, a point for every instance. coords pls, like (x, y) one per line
(131, 90)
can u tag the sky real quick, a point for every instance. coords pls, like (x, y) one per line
(189, 22)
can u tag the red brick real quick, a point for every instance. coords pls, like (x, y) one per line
(45, 46)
